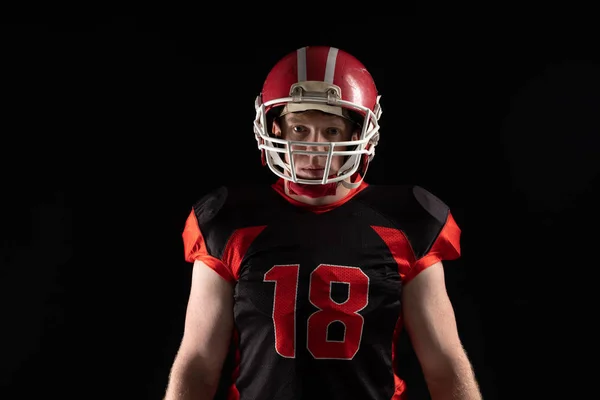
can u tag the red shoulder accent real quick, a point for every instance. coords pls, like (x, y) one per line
(194, 248)
(445, 247)
(399, 247)
(238, 245)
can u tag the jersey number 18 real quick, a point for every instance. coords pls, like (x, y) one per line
(329, 311)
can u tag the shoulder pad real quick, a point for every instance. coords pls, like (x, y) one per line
(430, 203)
(416, 212)
(210, 204)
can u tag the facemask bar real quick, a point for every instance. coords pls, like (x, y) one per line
(273, 147)
(280, 167)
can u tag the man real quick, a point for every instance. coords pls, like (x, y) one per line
(313, 278)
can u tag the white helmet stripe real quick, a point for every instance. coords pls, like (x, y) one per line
(301, 55)
(330, 67)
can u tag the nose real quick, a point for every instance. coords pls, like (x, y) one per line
(321, 142)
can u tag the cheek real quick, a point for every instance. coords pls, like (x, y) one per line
(337, 162)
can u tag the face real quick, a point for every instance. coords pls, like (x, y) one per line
(315, 126)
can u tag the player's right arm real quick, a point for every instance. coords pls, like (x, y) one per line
(196, 370)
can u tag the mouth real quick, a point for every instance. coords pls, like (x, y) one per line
(312, 172)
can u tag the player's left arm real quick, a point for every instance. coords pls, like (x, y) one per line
(430, 322)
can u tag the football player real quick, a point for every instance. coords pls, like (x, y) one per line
(310, 280)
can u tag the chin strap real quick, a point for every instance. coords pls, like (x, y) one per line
(358, 177)
(351, 185)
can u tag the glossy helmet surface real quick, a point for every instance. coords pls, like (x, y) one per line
(326, 79)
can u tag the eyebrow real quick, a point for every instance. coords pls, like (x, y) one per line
(296, 118)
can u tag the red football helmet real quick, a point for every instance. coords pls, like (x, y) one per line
(326, 79)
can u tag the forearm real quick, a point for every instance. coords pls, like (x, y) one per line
(454, 381)
(189, 381)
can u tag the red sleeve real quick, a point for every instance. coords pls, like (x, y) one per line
(445, 247)
(194, 248)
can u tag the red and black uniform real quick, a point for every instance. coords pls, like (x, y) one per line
(318, 289)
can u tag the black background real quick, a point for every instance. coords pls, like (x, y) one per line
(115, 123)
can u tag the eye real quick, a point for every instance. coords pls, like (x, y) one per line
(334, 131)
(299, 129)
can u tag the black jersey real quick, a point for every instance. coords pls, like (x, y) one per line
(318, 289)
